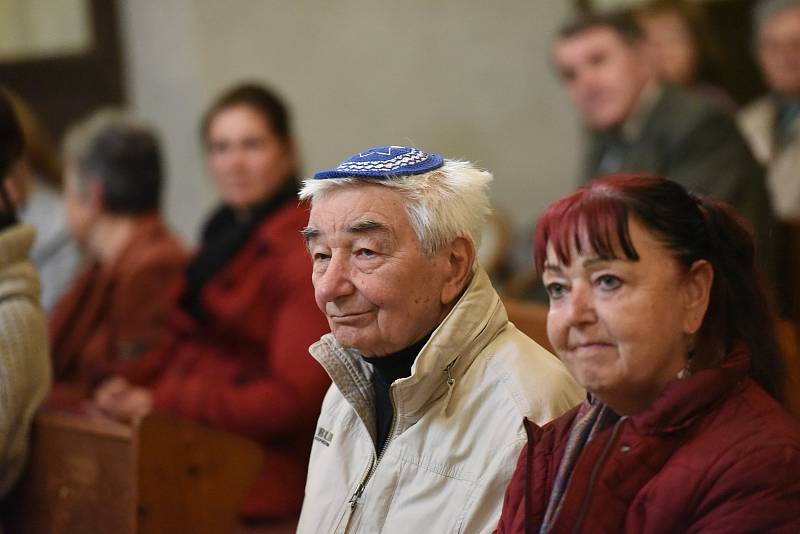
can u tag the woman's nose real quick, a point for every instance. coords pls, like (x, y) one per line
(580, 307)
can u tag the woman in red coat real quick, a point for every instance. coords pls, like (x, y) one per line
(236, 356)
(656, 310)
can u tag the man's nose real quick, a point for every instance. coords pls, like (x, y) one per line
(335, 282)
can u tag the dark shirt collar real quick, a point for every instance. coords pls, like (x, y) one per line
(398, 365)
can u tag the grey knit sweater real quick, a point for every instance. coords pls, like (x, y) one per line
(24, 355)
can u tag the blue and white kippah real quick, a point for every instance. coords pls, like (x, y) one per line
(385, 162)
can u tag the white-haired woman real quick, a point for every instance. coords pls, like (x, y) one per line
(431, 382)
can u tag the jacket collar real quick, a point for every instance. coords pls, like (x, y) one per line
(148, 227)
(684, 400)
(473, 322)
(17, 275)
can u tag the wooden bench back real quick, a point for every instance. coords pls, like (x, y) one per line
(90, 474)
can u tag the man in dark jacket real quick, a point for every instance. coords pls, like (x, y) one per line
(638, 124)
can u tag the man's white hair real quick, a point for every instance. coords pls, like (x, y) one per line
(451, 201)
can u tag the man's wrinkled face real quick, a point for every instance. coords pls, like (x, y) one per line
(603, 74)
(779, 51)
(372, 281)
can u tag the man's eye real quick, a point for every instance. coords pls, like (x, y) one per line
(253, 144)
(365, 253)
(567, 75)
(218, 148)
(319, 256)
(608, 282)
(555, 290)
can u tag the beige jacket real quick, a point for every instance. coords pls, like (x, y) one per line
(457, 431)
(24, 360)
(783, 166)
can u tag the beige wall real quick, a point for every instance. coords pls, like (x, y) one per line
(468, 79)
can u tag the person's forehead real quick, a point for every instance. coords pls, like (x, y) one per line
(590, 40)
(785, 21)
(349, 208)
(238, 119)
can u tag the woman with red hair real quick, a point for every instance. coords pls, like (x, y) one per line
(656, 309)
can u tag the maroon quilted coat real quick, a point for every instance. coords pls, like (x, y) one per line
(714, 453)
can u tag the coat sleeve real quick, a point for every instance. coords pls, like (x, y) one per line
(286, 395)
(513, 511)
(25, 376)
(760, 492)
(142, 306)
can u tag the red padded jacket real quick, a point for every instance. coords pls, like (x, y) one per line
(714, 453)
(247, 368)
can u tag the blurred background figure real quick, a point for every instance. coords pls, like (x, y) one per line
(36, 187)
(675, 32)
(772, 123)
(24, 361)
(639, 124)
(772, 126)
(236, 356)
(116, 310)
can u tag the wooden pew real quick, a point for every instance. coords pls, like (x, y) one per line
(90, 474)
(789, 339)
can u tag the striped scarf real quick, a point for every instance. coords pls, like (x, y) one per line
(593, 417)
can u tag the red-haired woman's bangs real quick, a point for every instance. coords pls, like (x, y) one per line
(594, 218)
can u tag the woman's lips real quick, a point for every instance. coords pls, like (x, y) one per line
(590, 345)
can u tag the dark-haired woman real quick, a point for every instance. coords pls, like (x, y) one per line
(237, 353)
(24, 360)
(655, 308)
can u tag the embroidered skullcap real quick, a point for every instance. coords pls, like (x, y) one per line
(385, 162)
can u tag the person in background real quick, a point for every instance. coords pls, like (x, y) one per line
(431, 382)
(677, 37)
(36, 189)
(656, 309)
(236, 354)
(116, 309)
(638, 124)
(772, 123)
(24, 358)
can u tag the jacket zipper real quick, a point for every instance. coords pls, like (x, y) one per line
(596, 470)
(450, 384)
(356, 497)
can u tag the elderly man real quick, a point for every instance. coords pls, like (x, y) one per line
(638, 124)
(423, 424)
(772, 123)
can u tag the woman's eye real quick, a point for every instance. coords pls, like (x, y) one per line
(555, 290)
(608, 282)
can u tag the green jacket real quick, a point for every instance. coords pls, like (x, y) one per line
(686, 139)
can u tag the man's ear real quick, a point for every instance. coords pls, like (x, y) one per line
(460, 255)
(697, 293)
